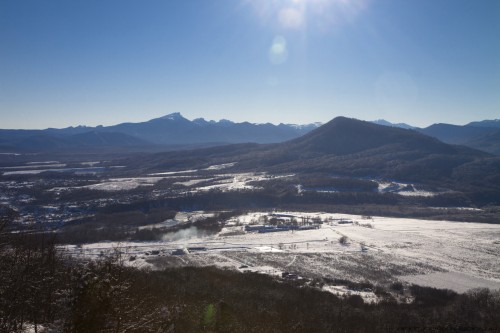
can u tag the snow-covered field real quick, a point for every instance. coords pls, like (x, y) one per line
(443, 254)
(124, 184)
(224, 182)
(404, 189)
(212, 177)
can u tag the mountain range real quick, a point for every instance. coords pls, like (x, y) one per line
(173, 131)
(343, 147)
(354, 149)
(483, 135)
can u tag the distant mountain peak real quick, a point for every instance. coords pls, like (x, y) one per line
(382, 122)
(486, 123)
(225, 122)
(342, 135)
(173, 116)
(200, 121)
(388, 123)
(308, 127)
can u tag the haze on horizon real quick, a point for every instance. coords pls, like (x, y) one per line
(293, 61)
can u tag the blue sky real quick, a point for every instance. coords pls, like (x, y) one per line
(91, 62)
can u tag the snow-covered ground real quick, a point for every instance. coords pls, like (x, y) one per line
(444, 254)
(230, 181)
(368, 295)
(188, 178)
(206, 179)
(221, 166)
(35, 165)
(234, 182)
(169, 173)
(460, 282)
(123, 184)
(404, 189)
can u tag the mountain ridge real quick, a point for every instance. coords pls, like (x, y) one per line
(170, 130)
(175, 130)
(351, 148)
(483, 135)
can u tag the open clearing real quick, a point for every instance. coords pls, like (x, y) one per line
(443, 254)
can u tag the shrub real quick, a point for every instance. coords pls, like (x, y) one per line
(343, 240)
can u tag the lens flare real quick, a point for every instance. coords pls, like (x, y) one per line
(278, 53)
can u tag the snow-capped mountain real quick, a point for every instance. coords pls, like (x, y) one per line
(171, 129)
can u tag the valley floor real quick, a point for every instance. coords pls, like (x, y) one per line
(381, 250)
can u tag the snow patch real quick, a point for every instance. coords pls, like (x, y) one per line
(124, 184)
(172, 172)
(221, 166)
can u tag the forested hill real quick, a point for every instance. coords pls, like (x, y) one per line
(352, 148)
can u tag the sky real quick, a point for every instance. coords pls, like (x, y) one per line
(102, 62)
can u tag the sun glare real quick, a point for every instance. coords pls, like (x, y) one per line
(296, 14)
